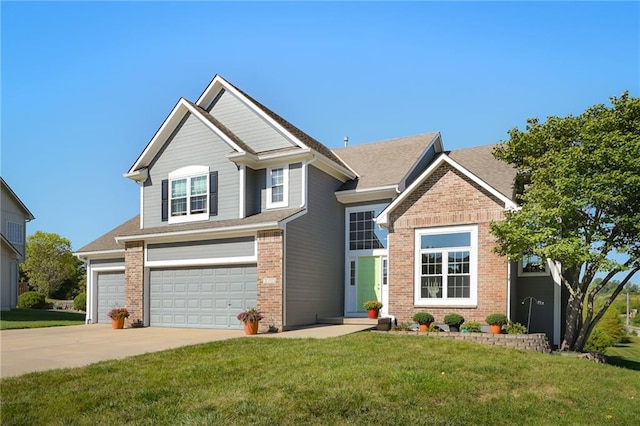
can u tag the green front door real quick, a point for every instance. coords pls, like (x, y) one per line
(368, 280)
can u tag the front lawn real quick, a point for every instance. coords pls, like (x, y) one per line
(625, 354)
(36, 318)
(365, 378)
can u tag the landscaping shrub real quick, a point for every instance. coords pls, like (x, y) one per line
(472, 327)
(515, 328)
(80, 302)
(609, 331)
(31, 300)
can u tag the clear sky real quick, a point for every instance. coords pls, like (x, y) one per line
(85, 85)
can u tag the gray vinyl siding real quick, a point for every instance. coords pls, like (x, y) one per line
(426, 159)
(193, 144)
(12, 212)
(295, 187)
(209, 249)
(107, 263)
(247, 125)
(315, 255)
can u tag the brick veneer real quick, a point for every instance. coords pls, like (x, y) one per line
(134, 280)
(270, 267)
(446, 198)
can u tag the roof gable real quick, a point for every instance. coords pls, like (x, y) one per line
(7, 189)
(383, 217)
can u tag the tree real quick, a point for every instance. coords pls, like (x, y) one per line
(49, 262)
(578, 184)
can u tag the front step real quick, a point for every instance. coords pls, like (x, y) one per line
(383, 324)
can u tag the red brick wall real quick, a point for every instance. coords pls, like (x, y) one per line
(270, 267)
(134, 280)
(446, 198)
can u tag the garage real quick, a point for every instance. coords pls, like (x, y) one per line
(202, 297)
(110, 294)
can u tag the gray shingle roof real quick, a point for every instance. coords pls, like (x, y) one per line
(131, 227)
(383, 163)
(480, 161)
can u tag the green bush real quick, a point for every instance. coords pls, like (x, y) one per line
(609, 331)
(31, 300)
(454, 320)
(472, 327)
(423, 318)
(598, 341)
(496, 319)
(80, 302)
(515, 328)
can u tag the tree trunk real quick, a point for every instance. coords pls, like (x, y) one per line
(573, 322)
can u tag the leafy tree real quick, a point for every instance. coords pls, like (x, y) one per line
(49, 262)
(579, 188)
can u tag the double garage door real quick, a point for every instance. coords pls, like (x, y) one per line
(204, 297)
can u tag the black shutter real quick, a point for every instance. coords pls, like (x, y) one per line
(165, 200)
(213, 194)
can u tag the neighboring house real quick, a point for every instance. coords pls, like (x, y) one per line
(240, 208)
(14, 216)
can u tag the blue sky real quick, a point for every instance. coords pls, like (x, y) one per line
(85, 85)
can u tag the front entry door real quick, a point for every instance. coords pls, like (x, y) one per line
(368, 280)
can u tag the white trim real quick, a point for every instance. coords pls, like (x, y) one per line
(141, 206)
(367, 194)
(263, 160)
(355, 209)
(285, 187)
(509, 316)
(473, 266)
(101, 254)
(239, 260)
(556, 268)
(92, 288)
(383, 218)
(544, 273)
(243, 189)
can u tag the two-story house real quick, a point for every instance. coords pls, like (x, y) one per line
(240, 208)
(14, 216)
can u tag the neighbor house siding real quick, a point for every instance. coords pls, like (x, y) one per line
(12, 212)
(247, 125)
(314, 285)
(208, 249)
(193, 144)
(446, 198)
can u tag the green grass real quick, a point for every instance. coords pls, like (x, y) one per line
(36, 318)
(625, 354)
(365, 378)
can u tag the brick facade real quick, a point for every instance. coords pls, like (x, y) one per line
(446, 198)
(134, 280)
(270, 284)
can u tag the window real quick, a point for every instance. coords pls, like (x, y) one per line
(190, 193)
(385, 271)
(364, 233)
(15, 233)
(352, 272)
(531, 265)
(277, 187)
(446, 266)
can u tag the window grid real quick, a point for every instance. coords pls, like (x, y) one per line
(15, 233)
(452, 266)
(196, 198)
(362, 235)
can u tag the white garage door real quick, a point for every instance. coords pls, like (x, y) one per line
(110, 294)
(206, 297)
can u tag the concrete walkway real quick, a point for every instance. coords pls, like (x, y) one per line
(39, 349)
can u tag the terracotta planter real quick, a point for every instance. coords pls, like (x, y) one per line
(117, 323)
(495, 328)
(373, 313)
(424, 327)
(251, 327)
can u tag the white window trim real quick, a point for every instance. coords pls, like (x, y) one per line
(544, 273)
(472, 300)
(285, 187)
(188, 173)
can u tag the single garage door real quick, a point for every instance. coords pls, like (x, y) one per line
(110, 294)
(204, 297)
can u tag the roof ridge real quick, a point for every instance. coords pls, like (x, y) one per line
(386, 140)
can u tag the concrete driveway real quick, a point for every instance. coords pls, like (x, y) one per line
(39, 349)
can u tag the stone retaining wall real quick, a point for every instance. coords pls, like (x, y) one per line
(536, 342)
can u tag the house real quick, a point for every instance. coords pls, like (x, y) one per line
(239, 208)
(14, 216)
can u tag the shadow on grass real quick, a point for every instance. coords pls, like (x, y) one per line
(623, 362)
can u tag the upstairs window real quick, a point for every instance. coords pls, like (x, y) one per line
(190, 194)
(15, 233)
(446, 266)
(532, 265)
(277, 187)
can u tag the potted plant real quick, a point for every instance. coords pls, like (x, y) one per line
(496, 321)
(454, 321)
(251, 319)
(424, 319)
(118, 316)
(471, 327)
(373, 308)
